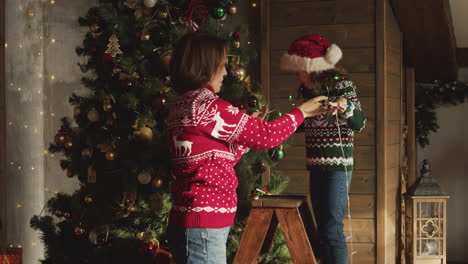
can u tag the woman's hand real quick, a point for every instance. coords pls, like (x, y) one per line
(313, 107)
(339, 105)
(262, 113)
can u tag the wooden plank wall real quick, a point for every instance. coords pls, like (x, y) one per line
(390, 120)
(350, 24)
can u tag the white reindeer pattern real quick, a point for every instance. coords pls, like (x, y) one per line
(220, 127)
(183, 148)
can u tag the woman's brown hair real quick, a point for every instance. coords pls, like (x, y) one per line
(196, 58)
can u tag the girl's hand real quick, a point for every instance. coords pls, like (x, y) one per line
(339, 105)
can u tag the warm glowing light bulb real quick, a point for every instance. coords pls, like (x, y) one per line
(52, 41)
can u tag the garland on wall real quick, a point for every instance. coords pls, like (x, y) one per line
(430, 96)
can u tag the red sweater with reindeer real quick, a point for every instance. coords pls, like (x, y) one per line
(208, 136)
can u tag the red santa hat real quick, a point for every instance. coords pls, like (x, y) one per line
(311, 53)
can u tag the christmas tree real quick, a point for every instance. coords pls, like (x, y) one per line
(116, 143)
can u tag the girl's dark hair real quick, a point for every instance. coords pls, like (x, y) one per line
(326, 77)
(196, 57)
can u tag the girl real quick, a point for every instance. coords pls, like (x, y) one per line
(329, 137)
(207, 137)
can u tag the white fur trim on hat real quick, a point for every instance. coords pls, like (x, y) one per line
(294, 63)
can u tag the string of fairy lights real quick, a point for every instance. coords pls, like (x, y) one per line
(42, 115)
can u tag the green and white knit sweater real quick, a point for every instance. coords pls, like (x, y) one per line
(323, 148)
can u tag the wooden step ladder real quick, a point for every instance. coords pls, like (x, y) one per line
(297, 224)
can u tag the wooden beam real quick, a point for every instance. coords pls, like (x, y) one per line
(2, 125)
(410, 84)
(462, 57)
(381, 125)
(429, 39)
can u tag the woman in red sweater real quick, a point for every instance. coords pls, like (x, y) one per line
(208, 135)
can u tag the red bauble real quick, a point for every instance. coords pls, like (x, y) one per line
(106, 57)
(159, 101)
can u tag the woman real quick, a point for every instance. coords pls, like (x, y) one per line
(207, 137)
(329, 137)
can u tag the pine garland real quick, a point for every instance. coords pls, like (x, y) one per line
(431, 96)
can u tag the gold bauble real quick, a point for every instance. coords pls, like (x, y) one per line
(58, 213)
(110, 155)
(107, 107)
(79, 230)
(68, 144)
(162, 14)
(76, 111)
(94, 28)
(268, 193)
(239, 73)
(88, 199)
(145, 36)
(157, 182)
(256, 197)
(144, 177)
(236, 44)
(60, 139)
(166, 58)
(145, 134)
(232, 9)
(86, 152)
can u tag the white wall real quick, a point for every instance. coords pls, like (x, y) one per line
(448, 154)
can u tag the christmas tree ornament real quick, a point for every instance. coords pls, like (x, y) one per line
(88, 199)
(107, 106)
(110, 155)
(277, 153)
(145, 36)
(94, 28)
(60, 139)
(157, 182)
(166, 58)
(145, 134)
(86, 152)
(236, 44)
(93, 115)
(144, 177)
(232, 9)
(159, 101)
(253, 101)
(237, 229)
(256, 197)
(113, 46)
(79, 230)
(76, 111)
(150, 3)
(218, 12)
(99, 235)
(68, 144)
(239, 73)
(116, 70)
(162, 14)
(58, 213)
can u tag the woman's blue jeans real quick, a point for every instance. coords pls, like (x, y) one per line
(198, 245)
(329, 194)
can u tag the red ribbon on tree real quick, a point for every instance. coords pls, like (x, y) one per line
(188, 17)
